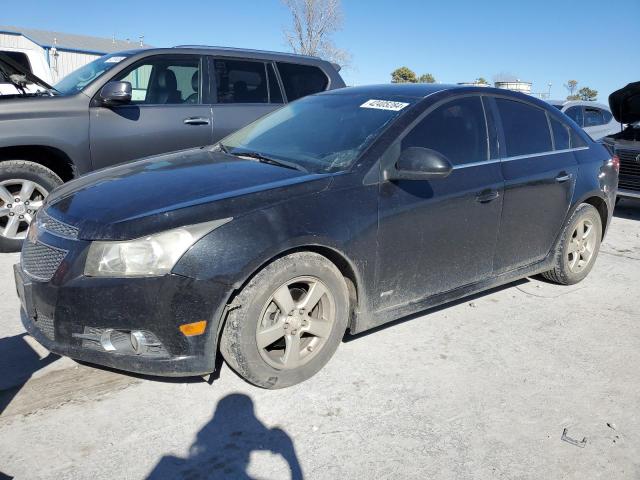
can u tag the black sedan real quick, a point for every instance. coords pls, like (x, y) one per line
(341, 211)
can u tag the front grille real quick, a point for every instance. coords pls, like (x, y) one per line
(41, 261)
(45, 325)
(629, 178)
(56, 226)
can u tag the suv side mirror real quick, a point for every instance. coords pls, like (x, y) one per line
(416, 163)
(115, 93)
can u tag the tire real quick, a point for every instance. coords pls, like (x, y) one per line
(268, 365)
(571, 265)
(14, 174)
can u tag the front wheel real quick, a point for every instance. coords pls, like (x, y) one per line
(23, 188)
(578, 247)
(291, 319)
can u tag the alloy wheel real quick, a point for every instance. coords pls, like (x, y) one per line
(581, 246)
(19, 202)
(295, 323)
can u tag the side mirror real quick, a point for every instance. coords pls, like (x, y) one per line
(115, 93)
(416, 163)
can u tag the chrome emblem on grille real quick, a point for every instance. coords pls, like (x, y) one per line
(638, 158)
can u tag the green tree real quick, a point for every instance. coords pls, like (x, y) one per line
(427, 78)
(588, 94)
(573, 97)
(571, 86)
(481, 81)
(403, 75)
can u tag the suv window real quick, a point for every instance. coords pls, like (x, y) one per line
(456, 129)
(526, 129)
(241, 81)
(561, 134)
(163, 80)
(301, 80)
(607, 116)
(593, 117)
(575, 113)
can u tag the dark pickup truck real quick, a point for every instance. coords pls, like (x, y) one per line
(130, 105)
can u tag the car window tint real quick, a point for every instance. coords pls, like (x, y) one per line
(561, 135)
(456, 129)
(576, 140)
(164, 80)
(607, 116)
(275, 95)
(526, 129)
(593, 117)
(575, 113)
(241, 81)
(301, 80)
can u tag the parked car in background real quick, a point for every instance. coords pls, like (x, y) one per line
(15, 81)
(625, 105)
(133, 104)
(343, 210)
(595, 118)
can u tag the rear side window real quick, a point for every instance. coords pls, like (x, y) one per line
(607, 116)
(593, 117)
(456, 129)
(301, 80)
(575, 113)
(526, 129)
(561, 134)
(241, 81)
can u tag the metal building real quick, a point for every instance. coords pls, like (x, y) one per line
(64, 52)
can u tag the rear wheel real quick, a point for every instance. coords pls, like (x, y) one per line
(578, 247)
(23, 187)
(292, 317)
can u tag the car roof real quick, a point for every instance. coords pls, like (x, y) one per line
(567, 103)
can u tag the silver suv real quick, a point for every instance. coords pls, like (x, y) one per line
(595, 118)
(133, 104)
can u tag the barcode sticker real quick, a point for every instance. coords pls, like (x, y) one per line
(384, 105)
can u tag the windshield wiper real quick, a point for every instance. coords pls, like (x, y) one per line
(260, 157)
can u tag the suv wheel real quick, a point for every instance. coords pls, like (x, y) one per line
(578, 247)
(292, 317)
(23, 188)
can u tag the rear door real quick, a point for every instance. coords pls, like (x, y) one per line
(243, 91)
(436, 235)
(539, 183)
(167, 112)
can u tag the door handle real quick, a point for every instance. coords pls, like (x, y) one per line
(196, 121)
(563, 177)
(488, 196)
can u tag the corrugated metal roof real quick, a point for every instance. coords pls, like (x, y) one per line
(69, 41)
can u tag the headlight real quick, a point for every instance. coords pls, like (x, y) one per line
(150, 256)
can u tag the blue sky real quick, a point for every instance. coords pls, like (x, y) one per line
(539, 41)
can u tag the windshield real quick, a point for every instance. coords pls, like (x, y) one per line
(80, 78)
(323, 133)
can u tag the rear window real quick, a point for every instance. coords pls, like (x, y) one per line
(301, 80)
(526, 129)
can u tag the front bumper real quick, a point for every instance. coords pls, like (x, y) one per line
(61, 312)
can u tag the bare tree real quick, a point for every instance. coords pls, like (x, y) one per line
(314, 22)
(571, 86)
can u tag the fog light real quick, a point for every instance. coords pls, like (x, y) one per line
(138, 341)
(193, 329)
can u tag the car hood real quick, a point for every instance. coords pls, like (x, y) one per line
(625, 103)
(172, 190)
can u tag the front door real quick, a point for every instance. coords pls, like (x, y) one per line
(436, 235)
(539, 182)
(167, 112)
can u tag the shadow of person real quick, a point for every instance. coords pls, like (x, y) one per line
(223, 447)
(18, 361)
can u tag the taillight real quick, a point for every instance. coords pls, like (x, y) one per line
(615, 162)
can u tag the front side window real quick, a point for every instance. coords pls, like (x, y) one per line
(593, 117)
(323, 133)
(456, 129)
(77, 80)
(164, 81)
(301, 80)
(575, 113)
(525, 127)
(241, 81)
